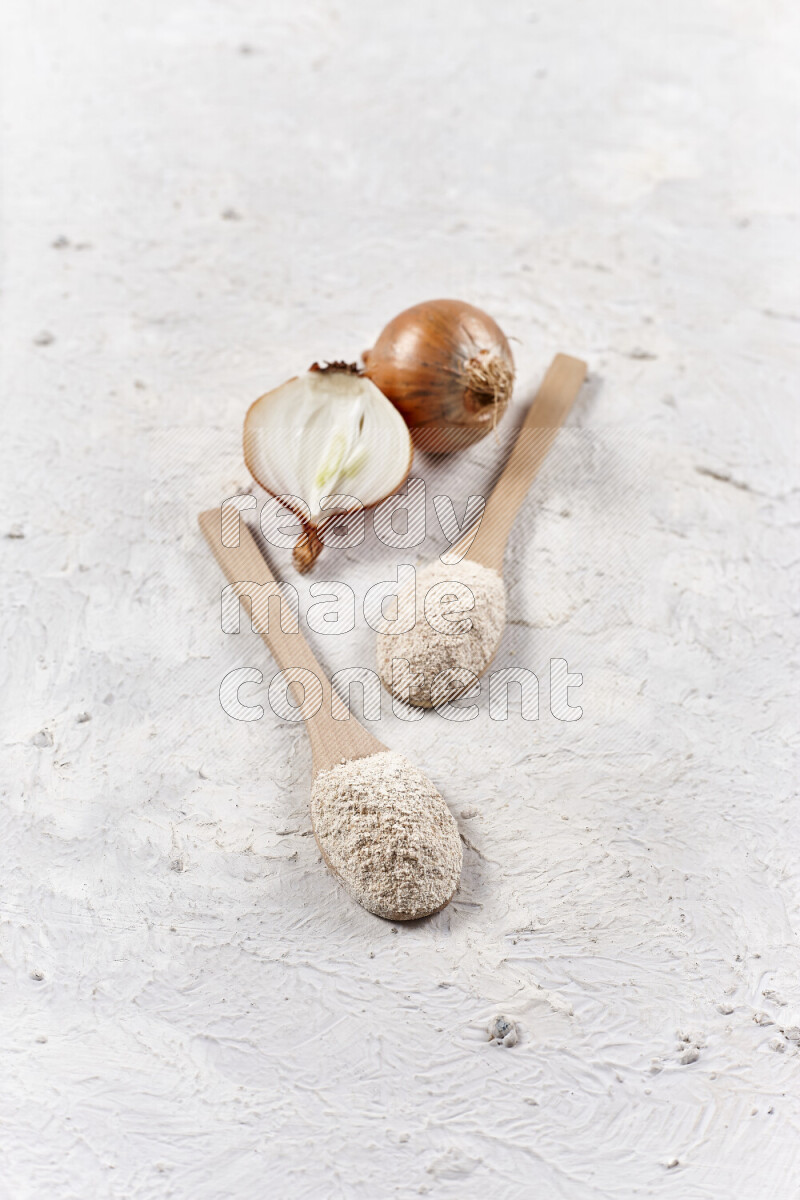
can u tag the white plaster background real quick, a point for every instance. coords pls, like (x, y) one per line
(191, 1008)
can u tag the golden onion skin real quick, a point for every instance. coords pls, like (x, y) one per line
(448, 368)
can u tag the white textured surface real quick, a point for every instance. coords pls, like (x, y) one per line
(191, 1007)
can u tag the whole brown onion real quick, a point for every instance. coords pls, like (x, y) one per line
(447, 367)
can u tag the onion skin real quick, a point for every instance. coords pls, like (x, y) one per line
(447, 366)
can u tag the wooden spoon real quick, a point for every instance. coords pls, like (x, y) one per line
(547, 413)
(336, 736)
(428, 652)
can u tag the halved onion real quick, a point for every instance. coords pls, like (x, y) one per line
(330, 432)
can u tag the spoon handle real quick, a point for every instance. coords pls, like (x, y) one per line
(333, 732)
(550, 406)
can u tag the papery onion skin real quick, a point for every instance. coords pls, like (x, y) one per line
(448, 368)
